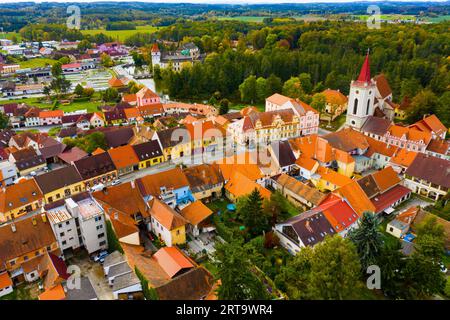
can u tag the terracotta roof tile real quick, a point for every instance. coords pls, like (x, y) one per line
(172, 260)
(123, 156)
(356, 197)
(386, 178)
(196, 212)
(165, 215)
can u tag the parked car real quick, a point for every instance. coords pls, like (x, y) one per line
(98, 187)
(116, 182)
(101, 255)
(443, 267)
(33, 173)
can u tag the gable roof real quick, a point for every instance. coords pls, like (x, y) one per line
(376, 125)
(73, 154)
(282, 151)
(339, 214)
(347, 140)
(311, 227)
(432, 123)
(124, 197)
(239, 185)
(57, 179)
(356, 197)
(431, 169)
(332, 176)
(171, 179)
(308, 193)
(196, 212)
(19, 195)
(123, 156)
(172, 260)
(165, 215)
(203, 176)
(369, 186)
(382, 85)
(386, 178)
(334, 97)
(95, 165)
(403, 157)
(147, 150)
(166, 136)
(118, 136)
(27, 238)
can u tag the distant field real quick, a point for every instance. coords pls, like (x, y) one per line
(438, 19)
(388, 17)
(9, 35)
(36, 63)
(121, 35)
(243, 18)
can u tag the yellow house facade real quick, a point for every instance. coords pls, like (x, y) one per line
(167, 224)
(60, 184)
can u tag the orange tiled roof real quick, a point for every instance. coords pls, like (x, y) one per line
(239, 185)
(196, 212)
(305, 145)
(434, 124)
(165, 215)
(146, 93)
(123, 156)
(343, 156)
(356, 197)
(19, 195)
(55, 293)
(123, 224)
(412, 134)
(129, 98)
(115, 83)
(408, 215)
(51, 114)
(171, 179)
(172, 260)
(386, 178)
(347, 139)
(98, 151)
(334, 97)
(5, 280)
(334, 177)
(380, 147)
(131, 113)
(403, 157)
(306, 163)
(243, 163)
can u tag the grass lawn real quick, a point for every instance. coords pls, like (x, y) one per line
(121, 35)
(238, 106)
(36, 63)
(9, 35)
(91, 106)
(336, 124)
(21, 292)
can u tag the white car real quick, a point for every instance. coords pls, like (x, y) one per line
(443, 267)
(116, 182)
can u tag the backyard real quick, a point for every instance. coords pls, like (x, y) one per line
(24, 291)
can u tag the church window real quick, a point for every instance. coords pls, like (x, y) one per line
(368, 105)
(355, 106)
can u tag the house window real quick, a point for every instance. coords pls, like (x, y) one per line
(61, 234)
(64, 242)
(101, 235)
(102, 243)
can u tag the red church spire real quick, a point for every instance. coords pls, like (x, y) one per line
(364, 74)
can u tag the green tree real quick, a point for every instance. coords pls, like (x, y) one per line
(106, 61)
(248, 90)
(368, 239)
(274, 85)
(4, 121)
(424, 103)
(305, 81)
(319, 102)
(330, 270)
(261, 89)
(224, 106)
(238, 281)
(250, 211)
(293, 88)
(430, 239)
(110, 95)
(79, 90)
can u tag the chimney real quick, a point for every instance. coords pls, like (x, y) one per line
(116, 215)
(44, 217)
(13, 227)
(132, 184)
(34, 221)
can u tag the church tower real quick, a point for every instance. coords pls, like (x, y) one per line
(156, 55)
(361, 98)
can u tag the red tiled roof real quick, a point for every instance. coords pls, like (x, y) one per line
(385, 200)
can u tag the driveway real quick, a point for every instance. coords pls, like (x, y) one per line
(94, 271)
